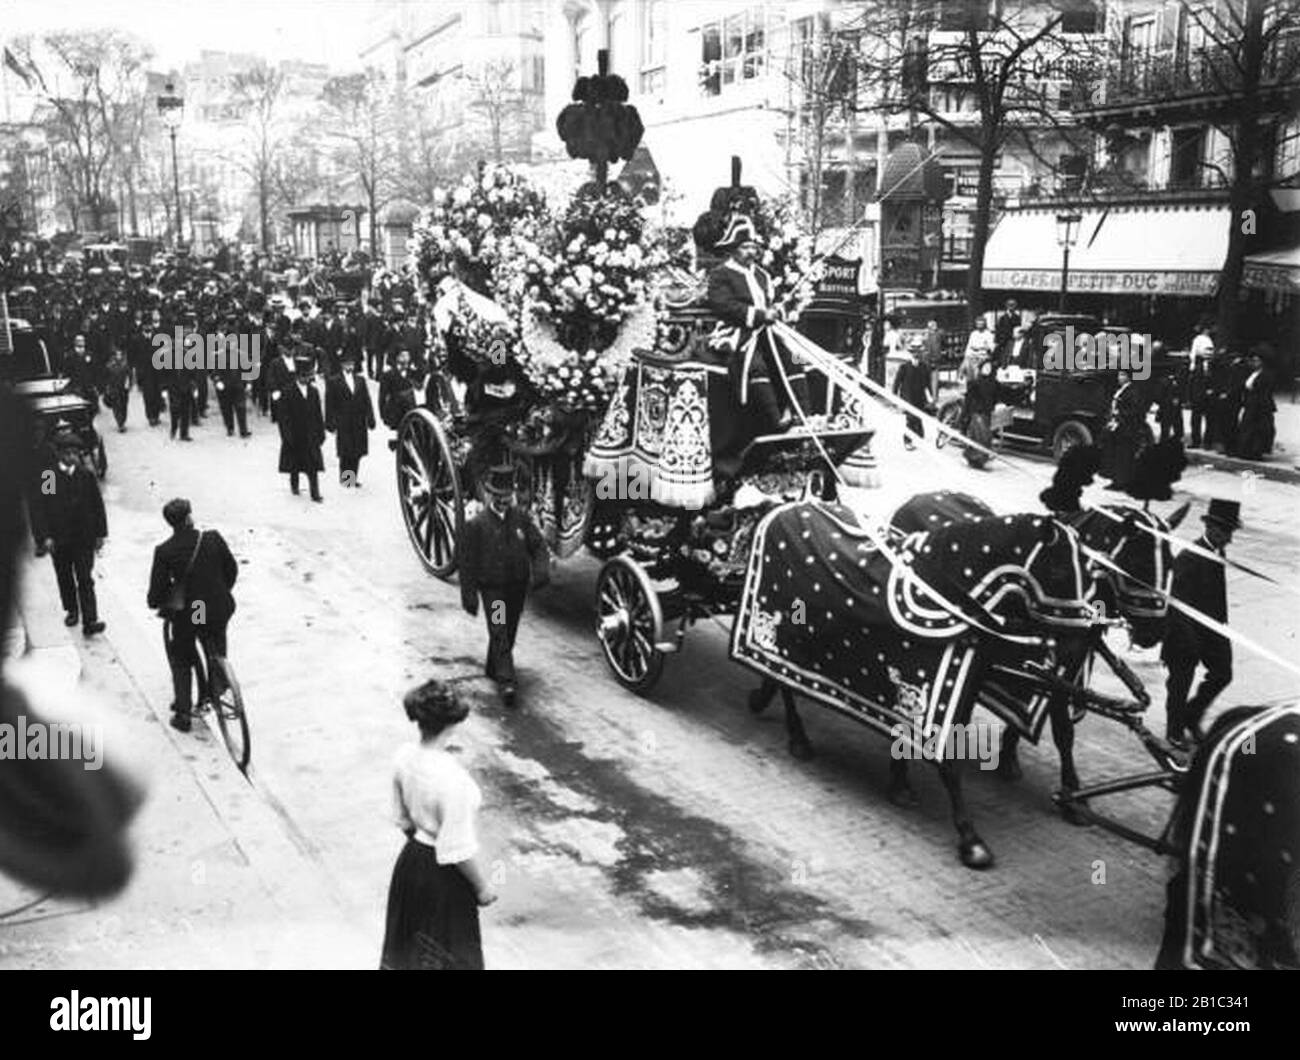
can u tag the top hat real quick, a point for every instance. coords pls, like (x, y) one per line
(500, 480)
(1224, 513)
(740, 229)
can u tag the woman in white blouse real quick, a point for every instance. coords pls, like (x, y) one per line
(437, 884)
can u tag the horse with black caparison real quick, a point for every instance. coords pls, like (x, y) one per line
(904, 637)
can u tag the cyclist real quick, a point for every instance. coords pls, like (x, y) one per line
(190, 585)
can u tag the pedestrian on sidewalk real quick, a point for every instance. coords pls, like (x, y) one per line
(302, 429)
(349, 416)
(1198, 398)
(69, 521)
(437, 885)
(1256, 431)
(500, 554)
(1199, 582)
(914, 385)
(189, 585)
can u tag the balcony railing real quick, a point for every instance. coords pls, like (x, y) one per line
(1166, 76)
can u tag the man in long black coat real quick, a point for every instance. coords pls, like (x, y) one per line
(1256, 431)
(69, 521)
(280, 372)
(914, 384)
(209, 604)
(350, 416)
(302, 430)
(1200, 583)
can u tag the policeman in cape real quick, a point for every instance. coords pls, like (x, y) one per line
(763, 373)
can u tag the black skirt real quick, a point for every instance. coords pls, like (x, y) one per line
(432, 915)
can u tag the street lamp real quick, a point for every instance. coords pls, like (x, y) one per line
(1067, 234)
(170, 107)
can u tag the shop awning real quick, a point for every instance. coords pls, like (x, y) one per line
(693, 156)
(1163, 250)
(1276, 270)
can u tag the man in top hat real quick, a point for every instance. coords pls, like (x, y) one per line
(740, 292)
(180, 388)
(913, 384)
(232, 391)
(68, 519)
(499, 555)
(1200, 583)
(302, 429)
(374, 339)
(280, 370)
(349, 416)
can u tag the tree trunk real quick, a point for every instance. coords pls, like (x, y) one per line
(981, 224)
(264, 207)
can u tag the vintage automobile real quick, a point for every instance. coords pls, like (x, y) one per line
(1046, 403)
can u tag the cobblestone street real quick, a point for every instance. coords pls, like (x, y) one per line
(674, 831)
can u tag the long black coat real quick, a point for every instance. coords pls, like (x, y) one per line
(350, 415)
(69, 509)
(1200, 583)
(302, 430)
(210, 580)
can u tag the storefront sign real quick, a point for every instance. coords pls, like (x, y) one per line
(1190, 284)
(1271, 277)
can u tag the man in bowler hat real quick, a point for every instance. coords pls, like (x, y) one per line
(1200, 583)
(500, 554)
(68, 520)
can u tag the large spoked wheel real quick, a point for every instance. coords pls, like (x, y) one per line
(629, 624)
(949, 415)
(428, 488)
(228, 706)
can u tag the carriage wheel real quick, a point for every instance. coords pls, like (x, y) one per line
(629, 624)
(428, 488)
(1069, 434)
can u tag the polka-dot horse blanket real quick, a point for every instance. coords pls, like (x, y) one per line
(897, 632)
(1235, 900)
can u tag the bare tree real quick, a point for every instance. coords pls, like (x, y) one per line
(496, 95)
(259, 90)
(998, 63)
(1251, 57)
(93, 81)
(359, 120)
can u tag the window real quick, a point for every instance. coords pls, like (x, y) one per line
(1187, 147)
(1081, 16)
(733, 51)
(957, 16)
(654, 21)
(492, 18)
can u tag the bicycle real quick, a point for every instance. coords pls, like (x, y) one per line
(226, 701)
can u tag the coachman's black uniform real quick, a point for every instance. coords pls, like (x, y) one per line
(350, 417)
(498, 557)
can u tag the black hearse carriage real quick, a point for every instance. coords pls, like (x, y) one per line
(1049, 403)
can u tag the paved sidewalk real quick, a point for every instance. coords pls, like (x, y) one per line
(219, 882)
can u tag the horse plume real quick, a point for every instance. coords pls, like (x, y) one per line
(1158, 467)
(1076, 470)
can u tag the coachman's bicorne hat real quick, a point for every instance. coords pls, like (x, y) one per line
(500, 480)
(740, 229)
(1225, 513)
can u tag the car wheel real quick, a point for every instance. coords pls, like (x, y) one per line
(1068, 435)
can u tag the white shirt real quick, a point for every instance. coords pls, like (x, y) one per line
(433, 794)
(351, 383)
(302, 388)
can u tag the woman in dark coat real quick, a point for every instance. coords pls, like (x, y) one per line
(438, 884)
(349, 416)
(1256, 430)
(302, 430)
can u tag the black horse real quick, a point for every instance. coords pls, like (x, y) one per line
(912, 638)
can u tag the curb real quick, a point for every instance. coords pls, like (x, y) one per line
(1282, 472)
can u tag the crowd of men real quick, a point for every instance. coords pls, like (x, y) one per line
(103, 326)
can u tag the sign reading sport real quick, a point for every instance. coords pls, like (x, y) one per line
(1099, 282)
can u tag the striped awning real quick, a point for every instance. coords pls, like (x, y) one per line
(1275, 270)
(1153, 250)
